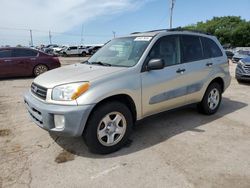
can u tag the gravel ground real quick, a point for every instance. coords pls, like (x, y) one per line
(180, 148)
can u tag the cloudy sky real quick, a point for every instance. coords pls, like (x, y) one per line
(65, 18)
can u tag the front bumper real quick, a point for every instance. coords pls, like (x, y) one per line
(242, 74)
(43, 115)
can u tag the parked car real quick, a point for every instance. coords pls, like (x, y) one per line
(229, 54)
(49, 49)
(15, 62)
(75, 50)
(242, 72)
(128, 79)
(93, 49)
(240, 55)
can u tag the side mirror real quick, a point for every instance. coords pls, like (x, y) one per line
(155, 64)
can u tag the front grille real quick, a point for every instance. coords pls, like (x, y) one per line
(39, 91)
(247, 68)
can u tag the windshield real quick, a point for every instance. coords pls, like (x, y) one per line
(124, 52)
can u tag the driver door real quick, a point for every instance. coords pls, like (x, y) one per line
(166, 88)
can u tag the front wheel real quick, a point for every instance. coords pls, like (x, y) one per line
(108, 128)
(211, 100)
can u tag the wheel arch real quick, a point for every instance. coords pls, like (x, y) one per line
(33, 70)
(123, 98)
(220, 81)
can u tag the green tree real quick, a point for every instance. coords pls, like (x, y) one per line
(228, 29)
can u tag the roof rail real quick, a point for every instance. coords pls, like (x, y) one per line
(149, 31)
(190, 30)
(174, 29)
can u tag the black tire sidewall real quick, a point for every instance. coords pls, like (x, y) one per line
(84, 54)
(203, 106)
(90, 133)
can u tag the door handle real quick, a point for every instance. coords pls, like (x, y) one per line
(181, 71)
(32, 59)
(7, 60)
(209, 64)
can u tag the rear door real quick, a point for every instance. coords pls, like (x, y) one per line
(198, 65)
(5, 63)
(212, 51)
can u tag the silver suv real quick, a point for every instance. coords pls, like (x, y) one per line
(127, 80)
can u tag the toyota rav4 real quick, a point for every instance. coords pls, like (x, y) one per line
(128, 79)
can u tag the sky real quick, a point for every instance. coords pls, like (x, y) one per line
(74, 22)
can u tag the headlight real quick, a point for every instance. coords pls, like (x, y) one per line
(69, 92)
(241, 63)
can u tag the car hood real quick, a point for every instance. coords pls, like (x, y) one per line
(246, 60)
(241, 56)
(74, 73)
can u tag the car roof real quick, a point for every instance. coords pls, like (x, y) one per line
(12, 48)
(174, 31)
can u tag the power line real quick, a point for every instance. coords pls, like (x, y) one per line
(55, 32)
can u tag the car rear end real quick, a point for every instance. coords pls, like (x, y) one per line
(50, 61)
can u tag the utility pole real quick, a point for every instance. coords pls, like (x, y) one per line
(114, 33)
(50, 37)
(82, 35)
(172, 3)
(31, 38)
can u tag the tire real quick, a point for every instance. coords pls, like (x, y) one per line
(84, 54)
(211, 100)
(239, 81)
(101, 128)
(40, 69)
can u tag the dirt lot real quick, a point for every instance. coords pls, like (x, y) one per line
(174, 149)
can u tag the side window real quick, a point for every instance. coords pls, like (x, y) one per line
(5, 53)
(191, 48)
(210, 48)
(24, 53)
(168, 49)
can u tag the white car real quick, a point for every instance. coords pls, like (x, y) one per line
(75, 50)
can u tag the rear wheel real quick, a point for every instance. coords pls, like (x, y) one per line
(211, 100)
(108, 128)
(84, 54)
(39, 69)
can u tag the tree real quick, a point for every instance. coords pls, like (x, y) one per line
(228, 29)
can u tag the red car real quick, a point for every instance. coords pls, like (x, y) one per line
(15, 62)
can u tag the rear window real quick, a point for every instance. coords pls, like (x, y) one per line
(5, 53)
(24, 53)
(191, 48)
(210, 48)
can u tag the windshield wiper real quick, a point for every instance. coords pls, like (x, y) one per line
(85, 62)
(100, 63)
